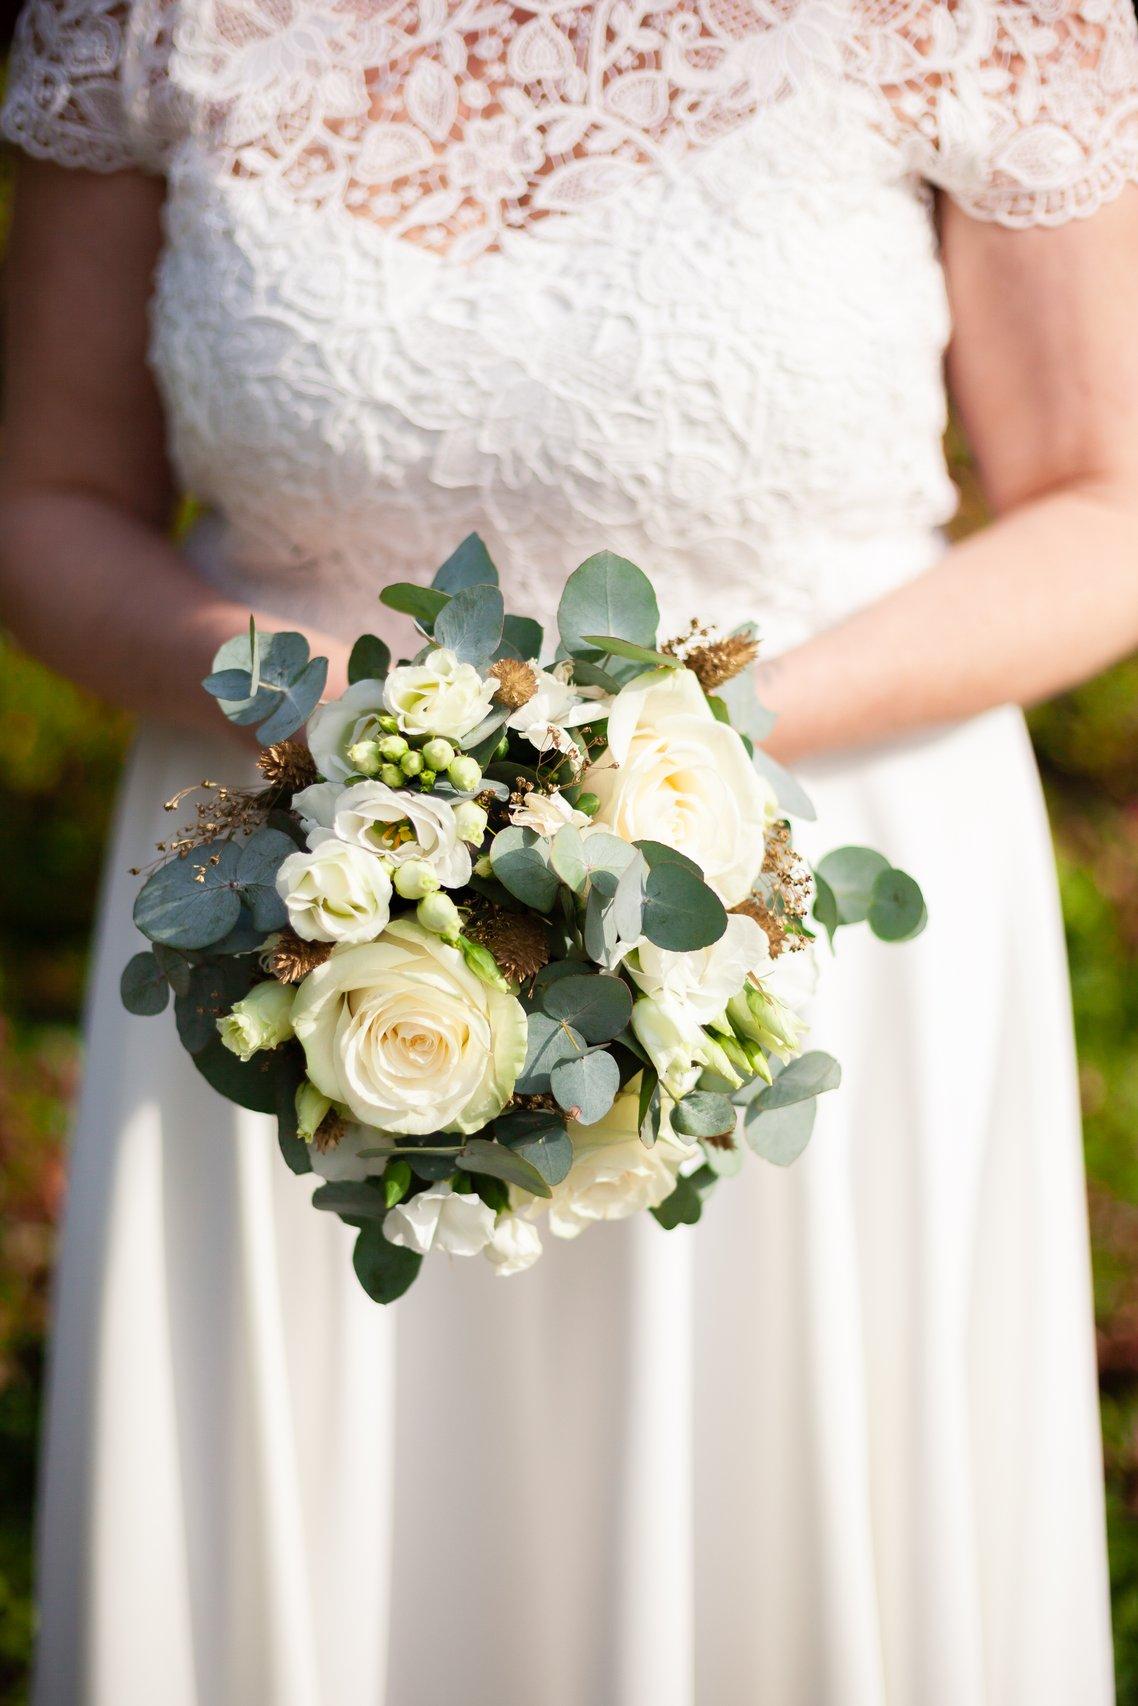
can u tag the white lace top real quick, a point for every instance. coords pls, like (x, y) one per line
(660, 274)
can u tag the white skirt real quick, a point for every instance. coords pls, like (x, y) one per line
(835, 1446)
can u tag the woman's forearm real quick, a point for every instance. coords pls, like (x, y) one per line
(1038, 601)
(106, 600)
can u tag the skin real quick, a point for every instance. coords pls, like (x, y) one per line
(1043, 369)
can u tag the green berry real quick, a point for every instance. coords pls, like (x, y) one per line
(437, 753)
(392, 775)
(392, 747)
(427, 780)
(465, 773)
(589, 804)
(411, 763)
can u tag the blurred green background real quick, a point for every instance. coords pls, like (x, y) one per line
(59, 758)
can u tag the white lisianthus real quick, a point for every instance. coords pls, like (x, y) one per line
(403, 825)
(613, 1175)
(261, 1020)
(439, 696)
(554, 708)
(406, 1037)
(775, 1010)
(343, 723)
(316, 806)
(515, 1245)
(678, 1047)
(700, 983)
(335, 893)
(675, 774)
(440, 1218)
(547, 813)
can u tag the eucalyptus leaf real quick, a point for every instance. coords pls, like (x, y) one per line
(605, 852)
(780, 1134)
(519, 862)
(594, 1003)
(370, 659)
(588, 673)
(469, 564)
(791, 796)
(602, 938)
(812, 1074)
(471, 624)
(825, 906)
(607, 595)
(650, 1108)
(680, 911)
(586, 1087)
(851, 873)
(251, 1084)
(193, 901)
(354, 1200)
(613, 646)
(549, 1042)
(297, 700)
(479, 1155)
(289, 1075)
(539, 1137)
(143, 985)
(213, 989)
(523, 635)
(725, 1160)
(702, 1113)
(422, 603)
(567, 857)
(260, 859)
(384, 1270)
(896, 907)
(682, 1208)
(744, 711)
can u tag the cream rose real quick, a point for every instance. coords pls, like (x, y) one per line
(403, 825)
(338, 725)
(613, 1175)
(335, 893)
(404, 1036)
(673, 773)
(439, 696)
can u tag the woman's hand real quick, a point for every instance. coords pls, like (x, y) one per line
(89, 581)
(1044, 370)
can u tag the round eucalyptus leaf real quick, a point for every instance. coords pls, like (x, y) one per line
(143, 986)
(703, 1113)
(469, 564)
(897, 907)
(811, 1075)
(618, 648)
(607, 595)
(851, 873)
(213, 989)
(657, 853)
(520, 865)
(370, 659)
(523, 635)
(384, 1270)
(471, 624)
(595, 1003)
(649, 1110)
(354, 1200)
(781, 1134)
(682, 1208)
(586, 1087)
(191, 902)
(607, 853)
(602, 938)
(422, 603)
(251, 1084)
(628, 901)
(296, 701)
(680, 911)
(539, 1137)
(260, 859)
(549, 1041)
(479, 1155)
(825, 906)
(567, 856)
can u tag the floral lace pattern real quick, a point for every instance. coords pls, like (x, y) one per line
(453, 121)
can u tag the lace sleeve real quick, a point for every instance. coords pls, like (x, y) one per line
(1025, 111)
(79, 85)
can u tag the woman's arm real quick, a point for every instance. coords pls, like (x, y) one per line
(1044, 370)
(88, 579)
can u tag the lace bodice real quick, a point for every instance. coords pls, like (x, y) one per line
(659, 275)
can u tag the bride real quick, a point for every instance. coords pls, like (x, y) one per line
(675, 277)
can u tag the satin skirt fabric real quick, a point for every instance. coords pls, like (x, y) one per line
(836, 1446)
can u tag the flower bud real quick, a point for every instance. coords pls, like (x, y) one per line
(392, 748)
(427, 780)
(470, 822)
(589, 804)
(482, 866)
(733, 1060)
(311, 1106)
(263, 1019)
(464, 773)
(414, 878)
(365, 757)
(389, 725)
(392, 776)
(411, 763)
(438, 913)
(437, 753)
(396, 1182)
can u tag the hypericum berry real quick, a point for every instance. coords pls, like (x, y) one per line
(414, 879)
(437, 753)
(465, 773)
(366, 756)
(411, 763)
(439, 914)
(393, 776)
(427, 780)
(589, 804)
(470, 822)
(392, 747)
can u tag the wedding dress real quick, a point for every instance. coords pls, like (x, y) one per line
(659, 275)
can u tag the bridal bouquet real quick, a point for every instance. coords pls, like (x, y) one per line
(507, 948)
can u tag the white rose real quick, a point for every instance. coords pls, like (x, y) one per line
(553, 709)
(336, 893)
(402, 825)
(613, 1175)
(440, 1218)
(515, 1245)
(338, 725)
(673, 773)
(547, 813)
(408, 1039)
(440, 696)
(315, 806)
(701, 983)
